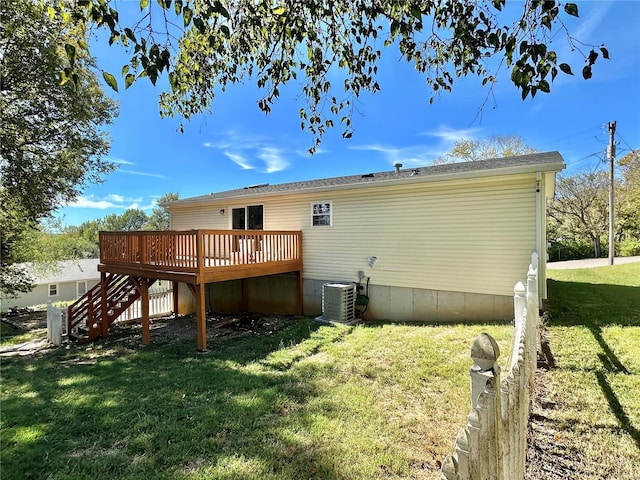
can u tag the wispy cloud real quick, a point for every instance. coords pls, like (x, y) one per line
(273, 159)
(442, 140)
(452, 135)
(409, 156)
(119, 161)
(592, 21)
(251, 152)
(144, 174)
(111, 201)
(239, 160)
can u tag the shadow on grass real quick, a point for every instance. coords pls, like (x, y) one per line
(595, 306)
(617, 409)
(575, 303)
(162, 412)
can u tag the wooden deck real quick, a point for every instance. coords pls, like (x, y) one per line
(198, 257)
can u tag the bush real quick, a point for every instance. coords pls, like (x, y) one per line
(629, 247)
(572, 250)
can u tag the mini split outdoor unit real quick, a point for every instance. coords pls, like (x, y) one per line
(338, 302)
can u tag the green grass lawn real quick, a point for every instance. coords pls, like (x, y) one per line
(594, 387)
(307, 401)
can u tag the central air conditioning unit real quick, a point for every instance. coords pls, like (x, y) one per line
(339, 302)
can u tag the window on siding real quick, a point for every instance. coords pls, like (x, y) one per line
(53, 289)
(248, 218)
(81, 288)
(321, 214)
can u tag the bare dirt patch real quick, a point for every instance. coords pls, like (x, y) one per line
(170, 329)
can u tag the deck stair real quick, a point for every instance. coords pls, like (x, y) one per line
(86, 321)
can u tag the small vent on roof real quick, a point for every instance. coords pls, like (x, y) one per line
(367, 175)
(257, 186)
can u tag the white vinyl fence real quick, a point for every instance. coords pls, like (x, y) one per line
(493, 444)
(160, 303)
(56, 324)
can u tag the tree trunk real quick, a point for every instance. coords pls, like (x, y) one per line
(596, 246)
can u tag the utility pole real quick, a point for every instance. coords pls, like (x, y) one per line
(611, 153)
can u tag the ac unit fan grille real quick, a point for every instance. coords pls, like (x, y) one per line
(338, 302)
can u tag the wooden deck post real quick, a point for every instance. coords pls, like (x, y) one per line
(144, 301)
(174, 287)
(103, 304)
(300, 293)
(245, 296)
(201, 318)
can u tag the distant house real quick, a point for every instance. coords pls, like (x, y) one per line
(68, 281)
(440, 243)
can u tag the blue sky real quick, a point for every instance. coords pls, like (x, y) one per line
(237, 145)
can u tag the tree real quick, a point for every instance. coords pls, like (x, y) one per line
(629, 196)
(207, 46)
(131, 220)
(468, 150)
(159, 218)
(580, 208)
(53, 142)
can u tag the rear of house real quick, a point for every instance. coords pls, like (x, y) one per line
(440, 243)
(66, 281)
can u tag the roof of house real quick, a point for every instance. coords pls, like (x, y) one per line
(65, 271)
(547, 161)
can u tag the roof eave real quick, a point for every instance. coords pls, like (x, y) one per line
(549, 167)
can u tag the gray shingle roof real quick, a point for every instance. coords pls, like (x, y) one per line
(547, 161)
(66, 271)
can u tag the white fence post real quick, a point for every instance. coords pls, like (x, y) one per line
(493, 445)
(54, 324)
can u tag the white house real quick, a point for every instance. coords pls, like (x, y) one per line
(440, 243)
(69, 280)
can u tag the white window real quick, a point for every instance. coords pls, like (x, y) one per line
(53, 289)
(81, 288)
(321, 214)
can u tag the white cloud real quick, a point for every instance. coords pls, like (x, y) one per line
(422, 154)
(252, 152)
(410, 156)
(119, 161)
(452, 135)
(115, 198)
(111, 201)
(273, 159)
(591, 22)
(239, 160)
(83, 202)
(144, 174)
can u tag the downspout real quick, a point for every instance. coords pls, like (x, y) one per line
(541, 235)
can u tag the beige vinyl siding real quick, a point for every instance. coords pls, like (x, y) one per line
(200, 217)
(463, 236)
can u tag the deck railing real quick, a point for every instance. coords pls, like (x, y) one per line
(193, 250)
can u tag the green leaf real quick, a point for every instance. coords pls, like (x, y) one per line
(130, 35)
(71, 53)
(186, 16)
(565, 68)
(278, 11)
(125, 70)
(543, 85)
(144, 4)
(110, 79)
(571, 9)
(128, 80)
